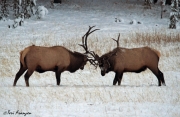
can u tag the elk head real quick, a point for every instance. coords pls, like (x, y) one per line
(90, 55)
(104, 60)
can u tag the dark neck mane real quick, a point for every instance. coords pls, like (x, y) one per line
(111, 59)
(76, 61)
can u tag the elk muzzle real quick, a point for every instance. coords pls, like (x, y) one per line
(103, 71)
(82, 67)
(84, 63)
(104, 66)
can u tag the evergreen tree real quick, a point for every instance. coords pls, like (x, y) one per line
(174, 15)
(4, 11)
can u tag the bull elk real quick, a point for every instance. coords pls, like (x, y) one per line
(56, 59)
(121, 60)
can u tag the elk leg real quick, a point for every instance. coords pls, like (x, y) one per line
(27, 75)
(18, 75)
(157, 74)
(115, 81)
(161, 76)
(118, 78)
(58, 79)
(159, 80)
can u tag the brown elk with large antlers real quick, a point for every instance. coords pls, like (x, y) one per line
(121, 60)
(56, 59)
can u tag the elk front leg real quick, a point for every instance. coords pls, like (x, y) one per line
(114, 81)
(18, 75)
(118, 78)
(58, 79)
(27, 75)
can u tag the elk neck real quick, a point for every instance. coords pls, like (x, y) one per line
(111, 63)
(111, 58)
(76, 61)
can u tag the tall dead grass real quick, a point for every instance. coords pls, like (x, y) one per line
(167, 43)
(155, 38)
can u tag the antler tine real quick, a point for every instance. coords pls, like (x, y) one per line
(87, 34)
(94, 54)
(84, 38)
(117, 41)
(93, 62)
(84, 41)
(84, 45)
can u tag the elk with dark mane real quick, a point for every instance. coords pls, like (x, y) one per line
(121, 60)
(57, 59)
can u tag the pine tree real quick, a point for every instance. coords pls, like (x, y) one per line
(4, 11)
(174, 15)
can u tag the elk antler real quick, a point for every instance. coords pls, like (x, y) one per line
(84, 45)
(117, 41)
(114, 52)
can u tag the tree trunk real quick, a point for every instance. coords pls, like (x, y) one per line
(57, 1)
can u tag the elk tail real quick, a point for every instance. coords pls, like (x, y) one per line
(157, 52)
(23, 54)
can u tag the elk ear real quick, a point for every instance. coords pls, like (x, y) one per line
(97, 57)
(105, 58)
(85, 59)
(110, 55)
(113, 54)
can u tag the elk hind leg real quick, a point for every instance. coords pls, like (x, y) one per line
(27, 75)
(159, 75)
(19, 73)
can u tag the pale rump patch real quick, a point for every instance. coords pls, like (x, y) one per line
(157, 52)
(23, 54)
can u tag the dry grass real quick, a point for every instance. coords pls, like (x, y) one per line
(155, 38)
(166, 43)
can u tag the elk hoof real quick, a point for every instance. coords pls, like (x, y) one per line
(164, 84)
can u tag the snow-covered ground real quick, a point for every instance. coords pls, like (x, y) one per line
(86, 93)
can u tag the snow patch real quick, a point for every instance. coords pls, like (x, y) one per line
(41, 12)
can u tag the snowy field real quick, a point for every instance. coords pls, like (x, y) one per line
(86, 93)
